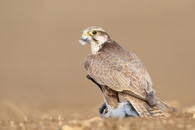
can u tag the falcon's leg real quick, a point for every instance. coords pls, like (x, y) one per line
(110, 96)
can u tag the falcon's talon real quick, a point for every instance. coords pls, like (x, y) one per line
(102, 108)
(105, 110)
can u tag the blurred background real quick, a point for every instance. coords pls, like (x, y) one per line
(41, 61)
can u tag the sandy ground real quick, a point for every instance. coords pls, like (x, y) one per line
(184, 121)
(18, 118)
(41, 61)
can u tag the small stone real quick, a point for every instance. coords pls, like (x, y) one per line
(100, 124)
(12, 123)
(60, 123)
(164, 121)
(158, 122)
(180, 126)
(144, 122)
(171, 122)
(86, 124)
(67, 127)
(94, 119)
(188, 126)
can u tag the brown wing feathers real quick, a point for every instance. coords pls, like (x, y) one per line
(122, 71)
(117, 66)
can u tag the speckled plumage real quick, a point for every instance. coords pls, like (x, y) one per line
(121, 71)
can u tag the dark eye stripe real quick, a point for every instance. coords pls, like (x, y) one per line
(94, 39)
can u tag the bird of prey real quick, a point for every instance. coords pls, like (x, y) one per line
(120, 72)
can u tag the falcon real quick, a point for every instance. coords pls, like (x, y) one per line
(120, 72)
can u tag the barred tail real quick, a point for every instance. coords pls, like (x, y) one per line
(144, 109)
(163, 104)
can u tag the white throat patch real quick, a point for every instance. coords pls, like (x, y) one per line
(95, 47)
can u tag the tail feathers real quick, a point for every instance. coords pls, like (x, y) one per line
(144, 109)
(161, 103)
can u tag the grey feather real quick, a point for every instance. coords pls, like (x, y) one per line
(124, 109)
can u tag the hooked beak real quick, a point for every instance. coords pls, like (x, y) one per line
(83, 39)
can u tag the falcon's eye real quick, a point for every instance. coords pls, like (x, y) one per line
(92, 33)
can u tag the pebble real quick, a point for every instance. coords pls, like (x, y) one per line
(171, 122)
(188, 126)
(164, 121)
(180, 126)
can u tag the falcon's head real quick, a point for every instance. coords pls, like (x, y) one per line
(95, 36)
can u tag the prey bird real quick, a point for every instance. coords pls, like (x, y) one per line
(120, 72)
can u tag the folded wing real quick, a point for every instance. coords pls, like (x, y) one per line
(121, 71)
